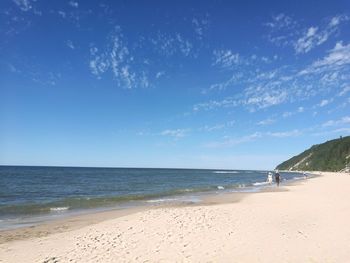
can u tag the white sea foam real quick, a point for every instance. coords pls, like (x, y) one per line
(225, 172)
(260, 183)
(161, 200)
(57, 209)
(221, 187)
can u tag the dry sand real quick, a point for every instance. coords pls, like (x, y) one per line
(306, 223)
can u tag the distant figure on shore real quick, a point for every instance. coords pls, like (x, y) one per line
(305, 175)
(277, 177)
(269, 178)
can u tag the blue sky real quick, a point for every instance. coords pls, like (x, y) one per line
(220, 84)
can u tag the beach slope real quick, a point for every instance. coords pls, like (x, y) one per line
(306, 223)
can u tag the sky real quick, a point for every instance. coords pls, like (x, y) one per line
(182, 84)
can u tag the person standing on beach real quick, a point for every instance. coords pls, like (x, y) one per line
(269, 178)
(305, 175)
(277, 178)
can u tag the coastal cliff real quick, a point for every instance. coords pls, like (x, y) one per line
(333, 155)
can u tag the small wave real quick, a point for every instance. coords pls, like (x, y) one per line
(57, 209)
(221, 187)
(161, 200)
(260, 183)
(225, 172)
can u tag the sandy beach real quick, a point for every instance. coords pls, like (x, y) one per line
(305, 222)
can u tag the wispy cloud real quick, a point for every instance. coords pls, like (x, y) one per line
(315, 36)
(337, 58)
(117, 58)
(62, 14)
(232, 141)
(325, 102)
(168, 44)
(216, 127)
(255, 98)
(24, 5)
(200, 25)
(159, 74)
(229, 142)
(267, 121)
(70, 44)
(176, 133)
(281, 29)
(259, 89)
(74, 4)
(235, 78)
(344, 91)
(331, 73)
(343, 120)
(27, 6)
(285, 134)
(225, 58)
(291, 113)
(285, 31)
(280, 21)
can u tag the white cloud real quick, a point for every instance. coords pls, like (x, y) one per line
(259, 89)
(292, 133)
(343, 120)
(234, 141)
(314, 36)
(213, 104)
(160, 74)
(338, 56)
(287, 114)
(62, 14)
(74, 4)
(212, 128)
(24, 5)
(336, 20)
(280, 21)
(309, 40)
(144, 81)
(264, 97)
(254, 98)
(177, 133)
(216, 127)
(117, 59)
(225, 58)
(224, 85)
(266, 121)
(284, 31)
(324, 103)
(200, 26)
(70, 44)
(169, 45)
(344, 91)
(332, 68)
(184, 45)
(281, 29)
(291, 113)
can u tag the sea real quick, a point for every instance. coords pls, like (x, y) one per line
(32, 194)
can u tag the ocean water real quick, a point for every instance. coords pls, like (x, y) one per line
(34, 192)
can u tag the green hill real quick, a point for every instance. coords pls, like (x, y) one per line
(332, 155)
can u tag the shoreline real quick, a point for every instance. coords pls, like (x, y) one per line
(76, 221)
(302, 222)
